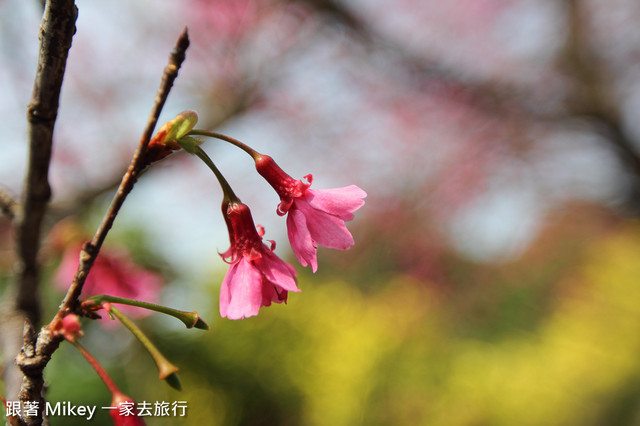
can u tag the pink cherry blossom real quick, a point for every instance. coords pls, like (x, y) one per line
(315, 216)
(256, 276)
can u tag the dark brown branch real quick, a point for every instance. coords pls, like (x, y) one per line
(36, 353)
(56, 32)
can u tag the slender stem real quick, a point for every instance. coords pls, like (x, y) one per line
(165, 368)
(109, 383)
(229, 195)
(252, 152)
(190, 319)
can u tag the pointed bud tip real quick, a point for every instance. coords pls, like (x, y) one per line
(173, 381)
(201, 324)
(183, 123)
(173, 130)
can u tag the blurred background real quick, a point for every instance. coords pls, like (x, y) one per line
(494, 279)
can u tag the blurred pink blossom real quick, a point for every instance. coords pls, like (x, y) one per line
(256, 276)
(315, 216)
(113, 273)
(225, 18)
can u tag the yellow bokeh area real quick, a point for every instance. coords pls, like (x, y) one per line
(337, 355)
(404, 352)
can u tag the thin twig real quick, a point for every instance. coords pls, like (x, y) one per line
(37, 352)
(90, 249)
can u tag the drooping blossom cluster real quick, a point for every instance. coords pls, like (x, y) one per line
(256, 276)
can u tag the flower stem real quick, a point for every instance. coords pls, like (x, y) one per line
(190, 319)
(109, 383)
(166, 370)
(252, 152)
(229, 195)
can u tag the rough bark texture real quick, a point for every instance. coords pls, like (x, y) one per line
(56, 32)
(21, 303)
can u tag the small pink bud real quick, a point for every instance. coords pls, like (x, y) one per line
(69, 327)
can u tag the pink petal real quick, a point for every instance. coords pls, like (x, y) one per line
(225, 295)
(271, 294)
(325, 229)
(244, 283)
(277, 271)
(341, 202)
(300, 239)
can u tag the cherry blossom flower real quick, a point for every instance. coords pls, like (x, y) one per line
(314, 216)
(256, 277)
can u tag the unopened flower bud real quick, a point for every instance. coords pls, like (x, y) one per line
(69, 327)
(180, 126)
(123, 411)
(166, 140)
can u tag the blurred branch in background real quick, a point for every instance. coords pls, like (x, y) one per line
(595, 96)
(592, 91)
(499, 143)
